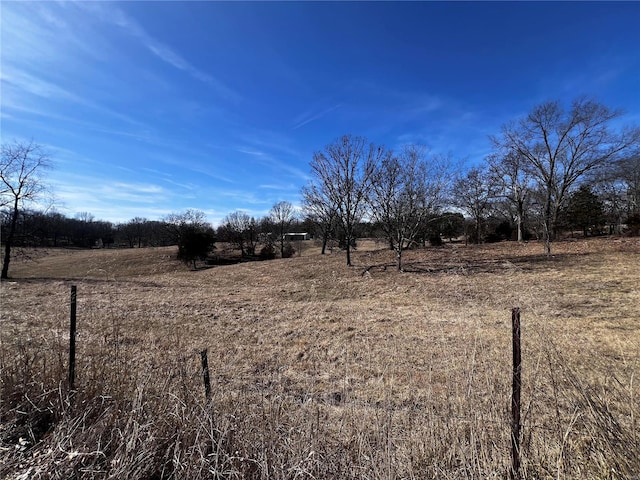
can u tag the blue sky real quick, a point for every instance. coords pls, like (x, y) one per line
(149, 108)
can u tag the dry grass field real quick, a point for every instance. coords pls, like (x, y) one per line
(324, 371)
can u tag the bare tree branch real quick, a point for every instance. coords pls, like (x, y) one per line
(562, 146)
(343, 175)
(20, 184)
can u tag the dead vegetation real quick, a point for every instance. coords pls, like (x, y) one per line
(321, 371)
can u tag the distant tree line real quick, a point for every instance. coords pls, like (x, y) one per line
(53, 229)
(189, 230)
(557, 169)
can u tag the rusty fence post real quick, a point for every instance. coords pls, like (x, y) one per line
(72, 340)
(515, 395)
(205, 374)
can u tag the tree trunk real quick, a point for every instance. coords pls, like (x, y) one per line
(281, 240)
(8, 241)
(547, 223)
(546, 236)
(519, 220)
(7, 256)
(547, 239)
(398, 247)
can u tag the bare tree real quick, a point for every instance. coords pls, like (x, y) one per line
(619, 189)
(406, 192)
(343, 173)
(20, 183)
(177, 222)
(513, 182)
(561, 146)
(615, 187)
(134, 231)
(85, 217)
(474, 193)
(252, 236)
(237, 225)
(282, 214)
(629, 172)
(319, 209)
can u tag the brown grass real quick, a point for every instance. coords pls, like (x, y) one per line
(324, 371)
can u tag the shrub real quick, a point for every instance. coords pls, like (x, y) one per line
(195, 244)
(288, 251)
(268, 252)
(435, 240)
(633, 225)
(503, 231)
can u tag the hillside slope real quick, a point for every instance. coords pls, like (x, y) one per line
(316, 367)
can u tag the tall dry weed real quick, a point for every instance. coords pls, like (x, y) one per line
(321, 372)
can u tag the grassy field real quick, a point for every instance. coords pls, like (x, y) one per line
(320, 370)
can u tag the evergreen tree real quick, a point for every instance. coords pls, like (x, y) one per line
(585, 210)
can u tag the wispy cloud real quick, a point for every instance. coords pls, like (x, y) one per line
(21, 80)
(288, 187)
(261, 141)
(107, 200)
(452, 131)
(161, 50)
(311, 116)
(250, 151)
(47, 120)
(185, 186)
(18, 98)
(201, 169)
(168, 178)
(240, 197)
(424, 103)
(134, 191)
(99, 188)
(276, 165)
(25, 92)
